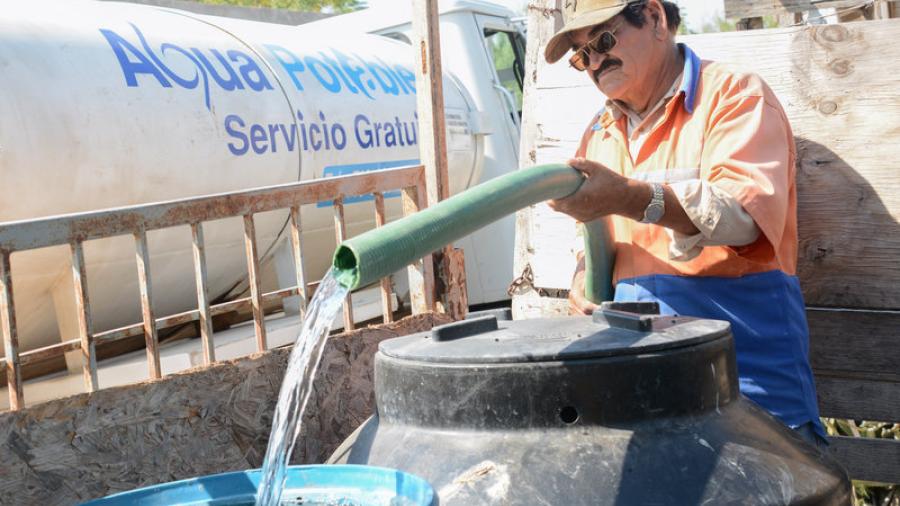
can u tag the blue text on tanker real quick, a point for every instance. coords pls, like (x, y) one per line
(319, 135)
(235, 70)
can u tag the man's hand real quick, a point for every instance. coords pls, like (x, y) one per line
(603, 193)
(578, 304)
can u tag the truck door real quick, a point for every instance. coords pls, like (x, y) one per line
(505, 47)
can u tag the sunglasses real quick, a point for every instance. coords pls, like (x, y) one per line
(600, 44)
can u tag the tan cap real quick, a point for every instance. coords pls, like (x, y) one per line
(577, 15)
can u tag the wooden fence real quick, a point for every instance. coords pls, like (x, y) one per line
(793, 11)
(840, 86)
(75, 229)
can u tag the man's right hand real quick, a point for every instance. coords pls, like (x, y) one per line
(578, 304)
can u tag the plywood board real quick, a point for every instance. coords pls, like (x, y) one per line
(188, 424)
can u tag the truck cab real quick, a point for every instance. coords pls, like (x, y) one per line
(483, 48)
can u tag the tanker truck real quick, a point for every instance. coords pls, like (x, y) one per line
(110, 104)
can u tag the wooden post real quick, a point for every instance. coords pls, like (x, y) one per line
(544, 18)
(206, 327)
(340, 233)
(387, 309)
(151, 338)
(881, 9)
(421, 272)
(10, 335)
(430, 99)
(259, 317)
(297, 250)
(432, 134)
(85, 326)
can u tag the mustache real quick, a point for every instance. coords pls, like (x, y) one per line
(607, 63)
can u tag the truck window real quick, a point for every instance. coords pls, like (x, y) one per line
(508, 52)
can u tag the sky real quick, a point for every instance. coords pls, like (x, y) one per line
(697, 11)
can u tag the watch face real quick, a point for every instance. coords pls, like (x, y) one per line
(654, 213)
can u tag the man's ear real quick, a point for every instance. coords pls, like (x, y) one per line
(660, 21)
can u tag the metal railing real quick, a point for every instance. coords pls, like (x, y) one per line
(75, 229)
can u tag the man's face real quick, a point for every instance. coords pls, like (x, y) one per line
(623, 72)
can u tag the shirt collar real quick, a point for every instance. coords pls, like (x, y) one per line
(690, 80)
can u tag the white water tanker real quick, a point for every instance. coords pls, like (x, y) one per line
(108, 104)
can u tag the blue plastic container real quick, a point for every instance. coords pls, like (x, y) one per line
(343, 485)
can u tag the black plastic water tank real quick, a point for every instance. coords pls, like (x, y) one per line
(621, 408)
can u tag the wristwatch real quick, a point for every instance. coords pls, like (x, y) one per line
(657, 206)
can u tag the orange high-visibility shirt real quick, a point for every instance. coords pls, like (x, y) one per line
(726, 128)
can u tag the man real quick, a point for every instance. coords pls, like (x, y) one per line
(692, 163)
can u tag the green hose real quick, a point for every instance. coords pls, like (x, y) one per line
(377, 253)
(599, 258)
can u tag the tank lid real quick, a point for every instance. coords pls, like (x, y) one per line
(610, 332)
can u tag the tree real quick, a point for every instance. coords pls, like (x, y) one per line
(339, 6)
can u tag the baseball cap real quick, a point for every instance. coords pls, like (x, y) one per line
(579, 14)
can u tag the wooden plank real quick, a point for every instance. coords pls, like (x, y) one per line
(544, 17)
(151, 338)
(420, 272)
(737, 9)
(259, 317)
(854, 342)
(558, 241)
(881, 9)
(297, 251)
(387, 310)
(206, 328)
(40, 368)
(85, 325)
(849, 15)
(54, 350)
(427, 260)
(10, 336)
(868, 459)
(340, 233)
(857, 398)
(42, 232)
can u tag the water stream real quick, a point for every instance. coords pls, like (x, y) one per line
(297, 386)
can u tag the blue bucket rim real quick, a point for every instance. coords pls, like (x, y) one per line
(242, 485)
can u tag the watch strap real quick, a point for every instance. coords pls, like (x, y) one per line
(657, 206)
